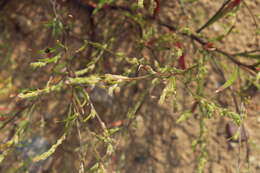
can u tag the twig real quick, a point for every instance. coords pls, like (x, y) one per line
(18, 114)
(249, 68)
(246, 52)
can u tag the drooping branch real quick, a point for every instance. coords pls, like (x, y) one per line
(250, 68)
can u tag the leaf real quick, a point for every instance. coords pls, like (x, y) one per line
(6, 147)
(234, 116)
(207, 108)
(170, 88)
(114, 130)
(85, 70)
(184, 116)
(48, 89)
(44, 61)
(131, 113)
(48, 153)
(223, 10)
(253, 56)
(98, 45)
(230, 81)
(38, 64)
(110, 149)
(116, 77)
(83, 47)
(94, 168)
(92, 114)
(51, 60)
(93, 79)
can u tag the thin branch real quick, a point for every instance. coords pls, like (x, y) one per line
(246, 52)
(250, 68)
(18, 114)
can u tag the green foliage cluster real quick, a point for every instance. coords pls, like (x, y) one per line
(166, 67)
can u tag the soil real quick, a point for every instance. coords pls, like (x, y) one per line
(152, 142)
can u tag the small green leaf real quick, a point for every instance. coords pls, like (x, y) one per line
(230, 81)
(53, 148)
(184, 116)
(234, 116)
(248, 55)
(83, 47)
(114, 130)
(92, 114)
(51, 60)
(133, 110)
(35, 93)
(38, 64)
(93, 79)
(169, 89)
(110, 149)
(223, 10)
(44, 61)
(94, 167)
(85, 70)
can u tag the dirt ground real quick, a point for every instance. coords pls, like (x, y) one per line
(153, 142)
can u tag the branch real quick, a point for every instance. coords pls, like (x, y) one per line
(249, 68)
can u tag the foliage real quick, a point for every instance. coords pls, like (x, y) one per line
(170, 66)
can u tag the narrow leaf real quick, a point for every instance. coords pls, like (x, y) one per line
(218, 15)
(92, 114)
(184, 116)
(38, 64)
(169, 89)
(133, 110)
(230, 81)
(253, 56)
(93, 79)
(53, 148)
